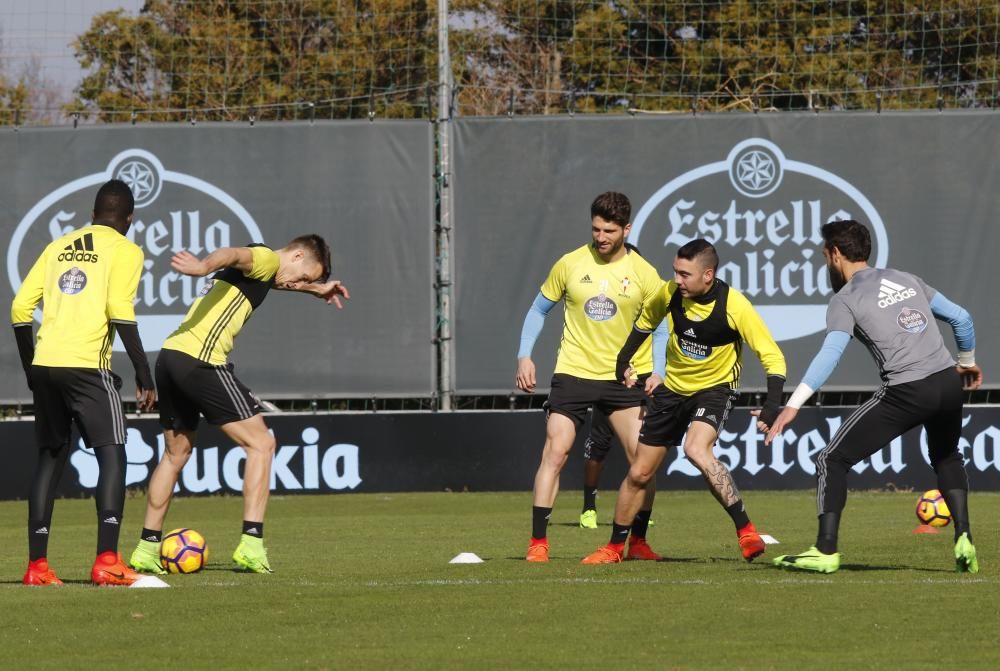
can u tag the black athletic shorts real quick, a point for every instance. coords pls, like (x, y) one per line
(88, 396)
(186, 386)
(598, 442)
(572, 396)
(669, 413)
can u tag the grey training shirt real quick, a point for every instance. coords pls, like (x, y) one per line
(889, 311)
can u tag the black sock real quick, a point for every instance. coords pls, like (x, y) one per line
(619, 532)
(109, 525)
(151, 535)
(255, 529)
(540, 521)
(739, 514)
(958, 505)
(38, 539)
(641, 523)
(589, 498)
(826, 540)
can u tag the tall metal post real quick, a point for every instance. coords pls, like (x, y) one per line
(444, 349)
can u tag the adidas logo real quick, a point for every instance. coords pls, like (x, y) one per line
(690, 332)
(111, 520)
(712, 418)
(890, 293)
(42, 530)
(151, 539)
(251, 531)
(82, 249)
(585, 279)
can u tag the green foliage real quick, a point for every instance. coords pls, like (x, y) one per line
(223, 60)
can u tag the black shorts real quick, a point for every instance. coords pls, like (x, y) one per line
(572, 396)
(599, 438)
(669, 413)
(186, 386)
(88, 396)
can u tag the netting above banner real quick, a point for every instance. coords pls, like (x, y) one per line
(191, 60)
(524, 56)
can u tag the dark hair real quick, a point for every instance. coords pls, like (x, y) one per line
(114, 202)
(700, 248)
(850, 237)
(316, 247)
(612, 206)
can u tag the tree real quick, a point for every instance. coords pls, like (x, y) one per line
(224, 59)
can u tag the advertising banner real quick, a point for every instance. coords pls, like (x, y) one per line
(759, 187)
(492, 451)
(366, 188)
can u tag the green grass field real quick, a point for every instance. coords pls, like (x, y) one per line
(363, 581)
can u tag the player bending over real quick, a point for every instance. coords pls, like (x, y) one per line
(194, 376)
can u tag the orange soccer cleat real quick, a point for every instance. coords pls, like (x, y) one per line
(109, 569)
(638, 548)
(538, 550)
(751, 544)
(39, 573)
(606, 554)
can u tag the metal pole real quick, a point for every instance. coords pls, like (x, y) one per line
(445, 387)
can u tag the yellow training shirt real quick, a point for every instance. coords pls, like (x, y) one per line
(603, 301)
(86, 280)
(688, 373)
(210, 327)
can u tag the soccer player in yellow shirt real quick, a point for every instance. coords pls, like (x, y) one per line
(605, 286)
(195, 377)
(86, 281)
(709, 321)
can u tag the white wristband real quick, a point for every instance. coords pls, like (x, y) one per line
(799, 396)
(967, 359)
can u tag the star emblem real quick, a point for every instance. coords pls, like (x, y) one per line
(140, 178)
(755, 170)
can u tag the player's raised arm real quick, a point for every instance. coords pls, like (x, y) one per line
(187, 263)
(330, 291)
(965, 337)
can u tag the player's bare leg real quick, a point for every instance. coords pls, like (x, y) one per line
(177, 451)
(698, 448)
(631, 497)
(629, 423)
(253, 436)
(560, 432)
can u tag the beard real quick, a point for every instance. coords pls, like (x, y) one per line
(837, 280)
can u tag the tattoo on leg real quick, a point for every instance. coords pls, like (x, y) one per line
(720, 481)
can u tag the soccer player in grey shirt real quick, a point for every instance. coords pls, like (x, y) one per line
(889, 312)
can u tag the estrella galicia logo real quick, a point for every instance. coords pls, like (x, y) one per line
(911, 320)
(763, 212)
(174, 211)
(694, 350)
(600, 308)
(72, 281)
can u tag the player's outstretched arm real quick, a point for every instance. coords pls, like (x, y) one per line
(187, 263)
(331, 291)
(623, 366)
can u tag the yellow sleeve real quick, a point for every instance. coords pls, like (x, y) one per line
(123, 281)
(555, 284)
(754, 331)
(30, 294)
(265, 264)
(654, 310)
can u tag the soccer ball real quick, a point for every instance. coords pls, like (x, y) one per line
(932, 509)
(183, 551)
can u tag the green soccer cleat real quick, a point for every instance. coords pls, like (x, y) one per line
(146, 558)
(250, 555)
(588, 519)
(965, 555)
(810, 560)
